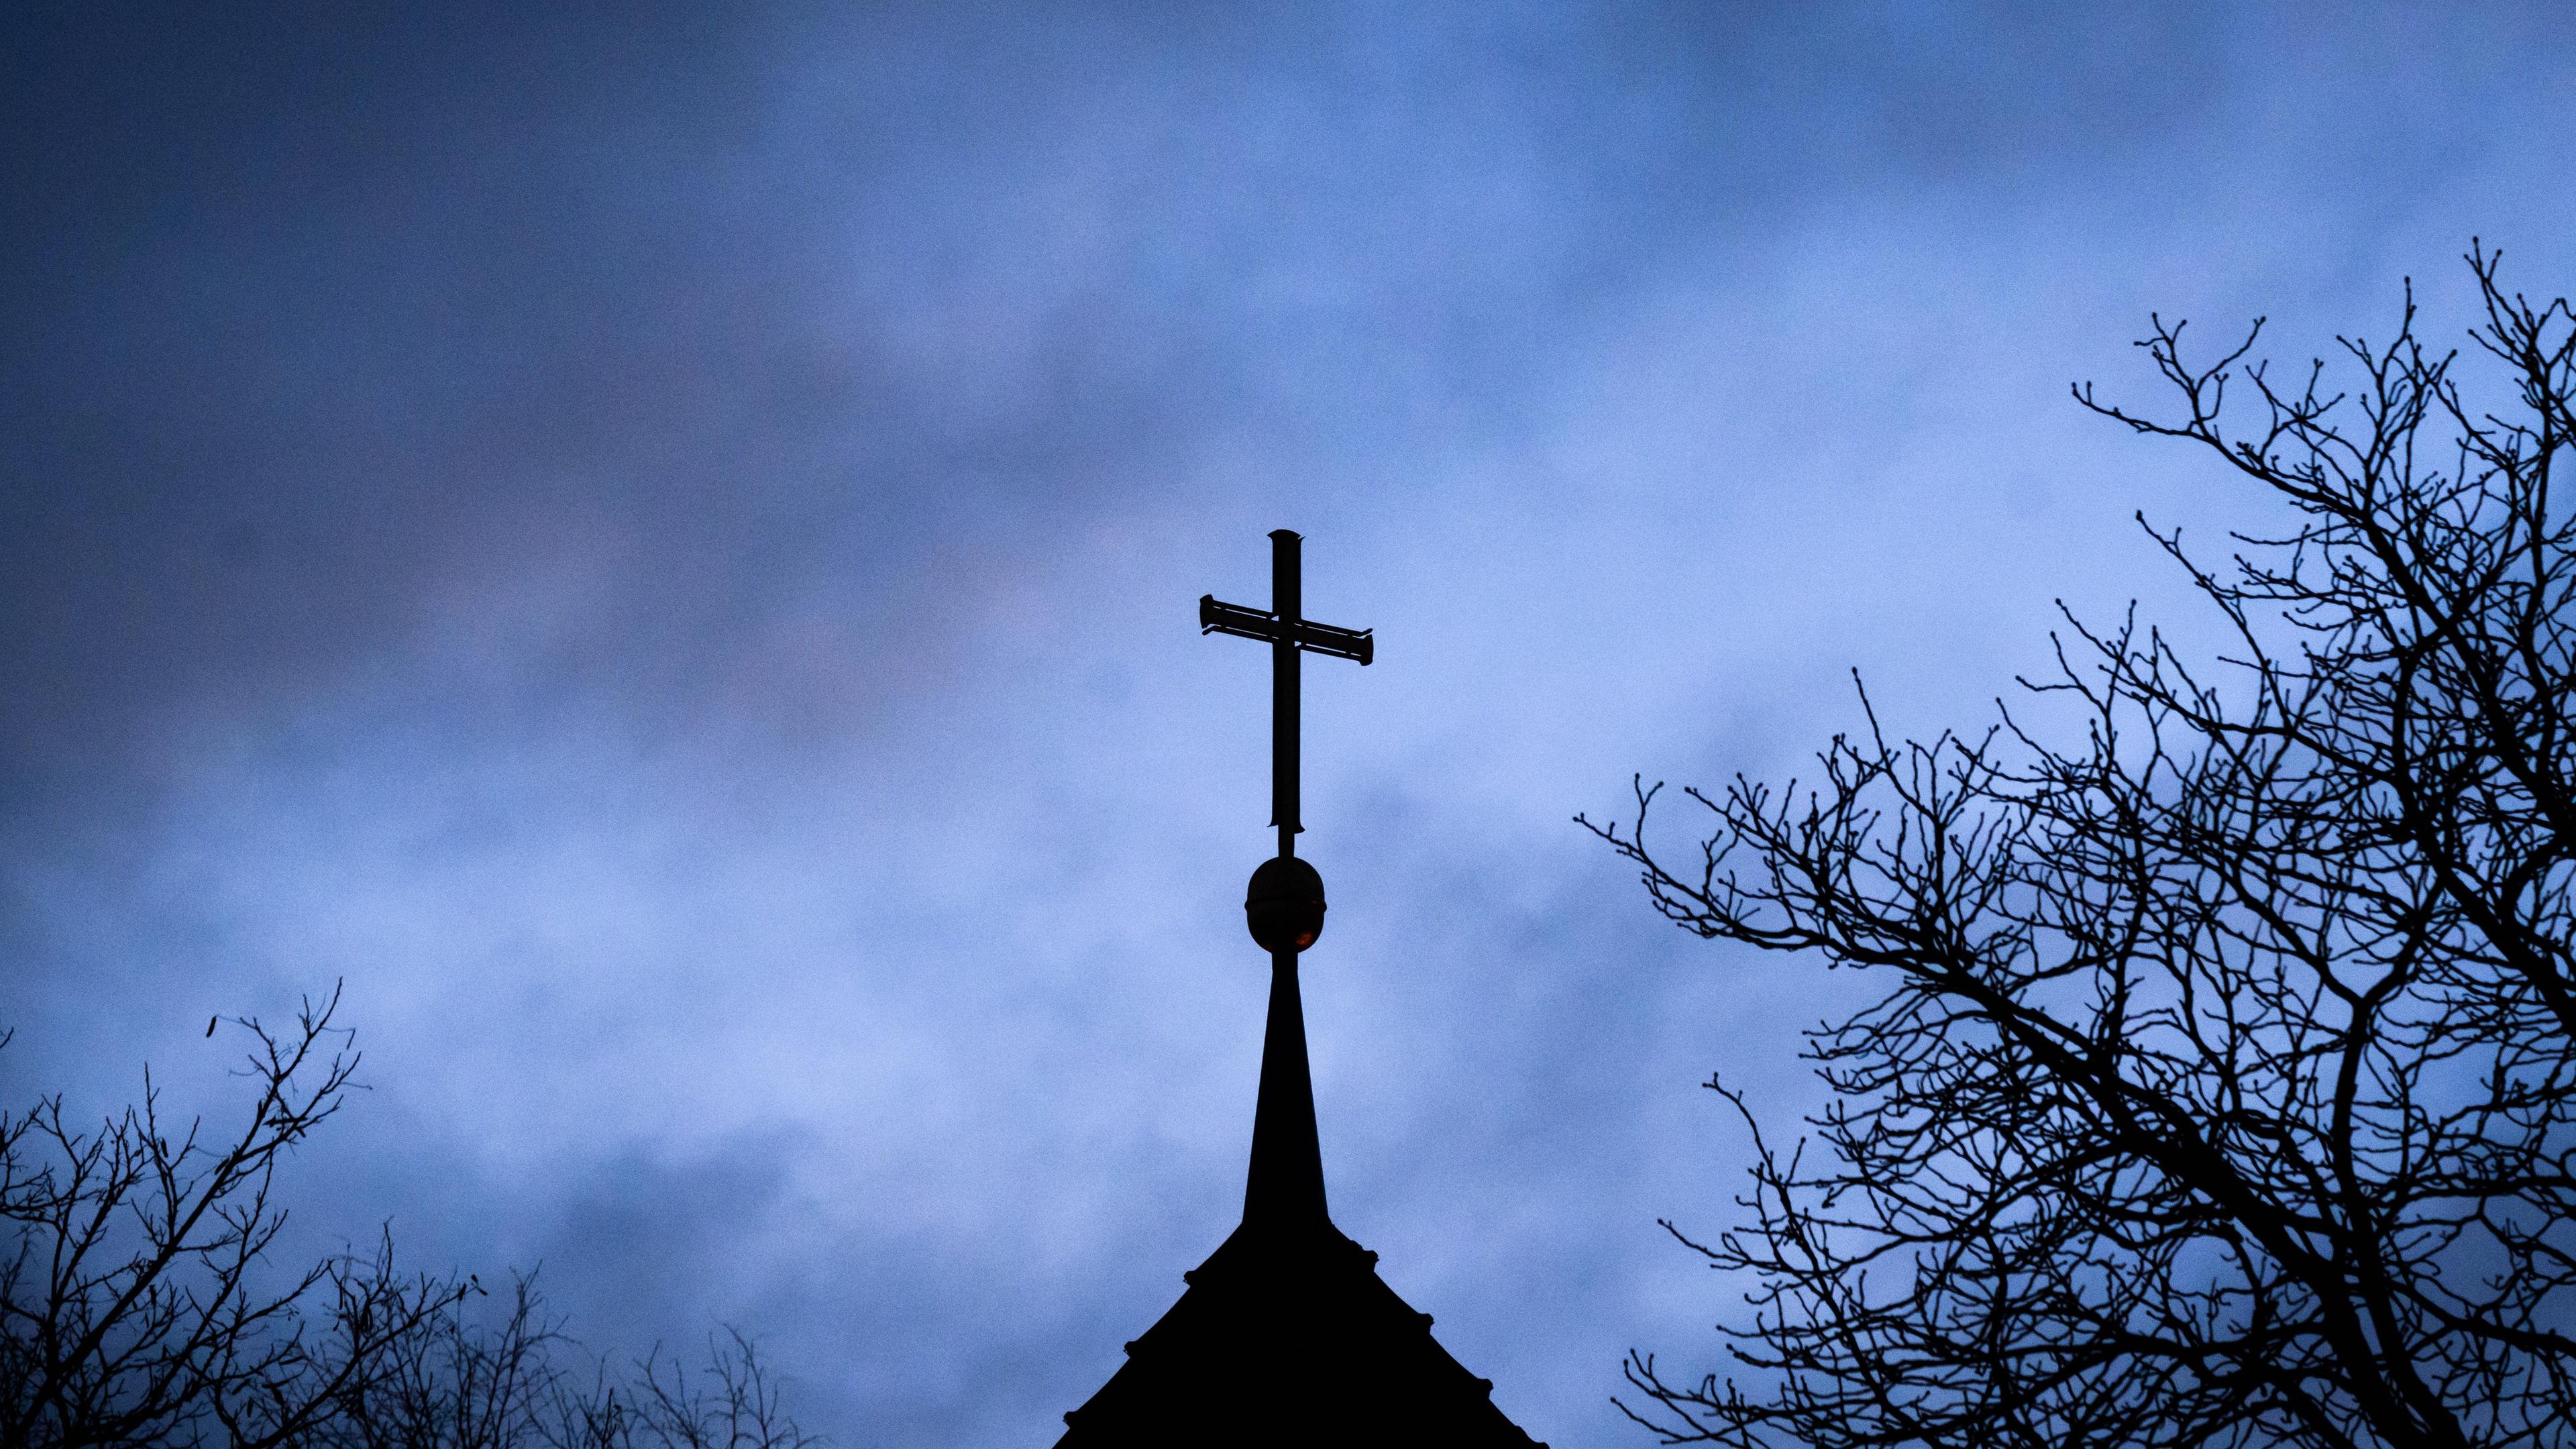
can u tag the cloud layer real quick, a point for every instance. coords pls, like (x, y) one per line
(662, 551)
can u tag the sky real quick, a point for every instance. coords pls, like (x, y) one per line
(658, 548)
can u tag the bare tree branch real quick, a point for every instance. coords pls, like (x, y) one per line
(2221, 1090)
(138, 1305)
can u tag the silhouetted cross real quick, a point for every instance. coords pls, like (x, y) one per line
(1286, 629)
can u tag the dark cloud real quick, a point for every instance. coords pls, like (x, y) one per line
(658, 545)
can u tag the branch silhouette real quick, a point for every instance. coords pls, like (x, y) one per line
(139, 1303)
(2220, 1089)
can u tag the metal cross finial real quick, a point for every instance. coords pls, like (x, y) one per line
(1286, 629)
(1283, 907)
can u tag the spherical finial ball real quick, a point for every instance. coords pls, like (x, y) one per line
(1284, 904)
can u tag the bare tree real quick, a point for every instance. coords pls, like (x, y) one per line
(522, 1382)
(136, 1302)
(2220, 1089)
(734, 1403)
(451, 1383)
(139, 1305)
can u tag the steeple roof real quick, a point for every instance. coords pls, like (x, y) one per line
(1286, 1334)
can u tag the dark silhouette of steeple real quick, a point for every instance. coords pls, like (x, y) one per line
(1286, 1335)
(1286, 1181)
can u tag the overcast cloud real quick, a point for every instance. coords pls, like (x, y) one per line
(661, 548)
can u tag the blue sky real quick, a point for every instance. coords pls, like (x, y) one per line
(661, 547)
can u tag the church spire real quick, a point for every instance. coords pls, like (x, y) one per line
(1286, 1335)
(1284, 905)
(1286, 1184)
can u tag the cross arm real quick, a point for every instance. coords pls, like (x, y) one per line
(1219, 617)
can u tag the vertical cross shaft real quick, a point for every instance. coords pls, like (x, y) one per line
(1286, 1180)
(1287, 604)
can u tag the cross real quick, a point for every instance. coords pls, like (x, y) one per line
(1287, 631)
